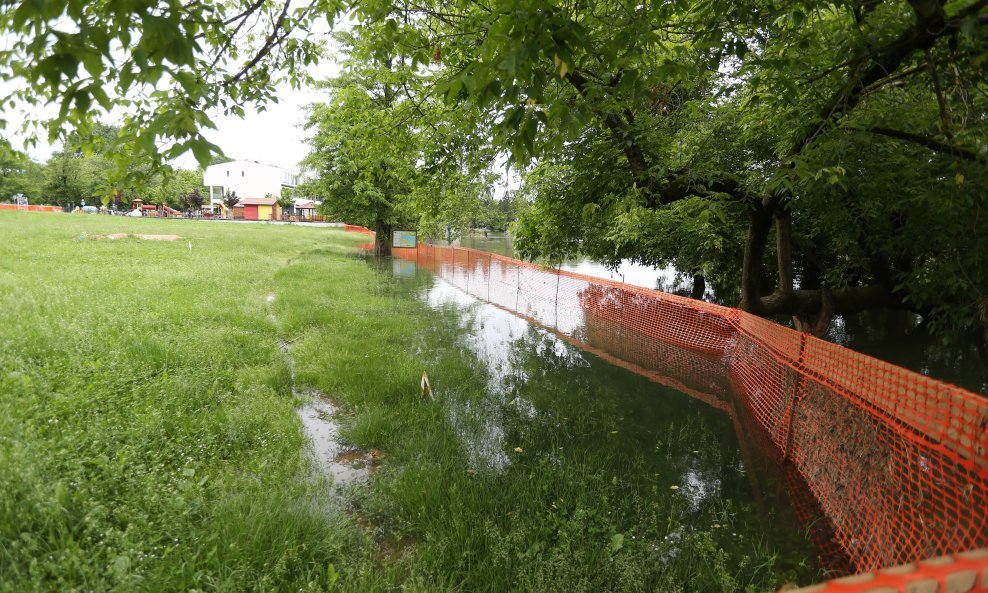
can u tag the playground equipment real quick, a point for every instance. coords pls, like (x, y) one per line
(154, 210)
(169, 212)
(894, 461)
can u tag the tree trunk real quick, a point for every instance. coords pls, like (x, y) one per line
(783, 248)
(843, 301)
(754, 253)
(699, 287)
(382, 242)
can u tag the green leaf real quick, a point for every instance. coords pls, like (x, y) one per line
(617, 542)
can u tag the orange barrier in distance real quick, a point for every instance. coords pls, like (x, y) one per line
(31, 208)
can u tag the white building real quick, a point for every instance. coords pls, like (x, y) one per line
(249, 179)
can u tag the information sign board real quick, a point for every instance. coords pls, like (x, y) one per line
(404, 239)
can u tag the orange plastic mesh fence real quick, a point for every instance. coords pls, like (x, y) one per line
(896, 461)
(31, 208)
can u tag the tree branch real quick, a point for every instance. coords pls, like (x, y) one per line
(925, 141)
(931, 24)
(243, 16)
(273, 38)
(622, 131)
(935, 76)
(844, 301)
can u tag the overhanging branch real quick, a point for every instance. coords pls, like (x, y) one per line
(925, 141)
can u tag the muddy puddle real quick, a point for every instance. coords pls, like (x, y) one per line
(344, 465)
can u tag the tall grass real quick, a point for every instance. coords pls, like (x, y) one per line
(148, 440)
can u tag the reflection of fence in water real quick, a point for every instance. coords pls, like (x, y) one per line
(898, 462)
(590, 316)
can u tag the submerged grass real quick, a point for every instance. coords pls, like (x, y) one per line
(535, 517)
(149, 441)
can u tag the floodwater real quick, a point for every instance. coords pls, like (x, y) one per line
(659, 441)
(964, 363)
(343, 464)
(637, 275)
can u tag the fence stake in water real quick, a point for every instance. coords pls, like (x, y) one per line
(796, 397)
(556, 300)
(426, 386)
(517, 286)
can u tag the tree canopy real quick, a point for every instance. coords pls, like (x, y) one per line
(164, 68)
(811, 158)
(386, 152)
(808, 158)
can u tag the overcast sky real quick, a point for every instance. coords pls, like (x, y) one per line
(274, 136)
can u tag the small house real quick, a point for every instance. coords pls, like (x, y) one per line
(259, 208)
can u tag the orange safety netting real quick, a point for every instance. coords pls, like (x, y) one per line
(895, 461)
(31, 208)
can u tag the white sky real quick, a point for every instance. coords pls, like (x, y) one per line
(273, 136)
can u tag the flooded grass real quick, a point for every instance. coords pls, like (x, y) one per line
(148, 436)
(538, 468)
(152, 418)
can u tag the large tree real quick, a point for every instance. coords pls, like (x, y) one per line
(818, 158)
(20, 175)
(385, 152)
(363, 147)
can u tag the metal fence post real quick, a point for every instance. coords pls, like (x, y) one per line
(796, 397)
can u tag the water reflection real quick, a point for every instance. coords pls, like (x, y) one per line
(576, 410)
(667, 279)
(896, 337)
(344, 465)
(579, 408)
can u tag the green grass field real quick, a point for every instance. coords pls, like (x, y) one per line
(149, 440)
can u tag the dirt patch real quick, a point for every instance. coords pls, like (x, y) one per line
(116, 236)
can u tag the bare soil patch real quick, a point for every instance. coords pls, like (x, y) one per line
(116, 236)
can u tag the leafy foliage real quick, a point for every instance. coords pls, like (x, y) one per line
(168, 66)
(690, 133)
(193, 200)
(231, 200)
(384, 155)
